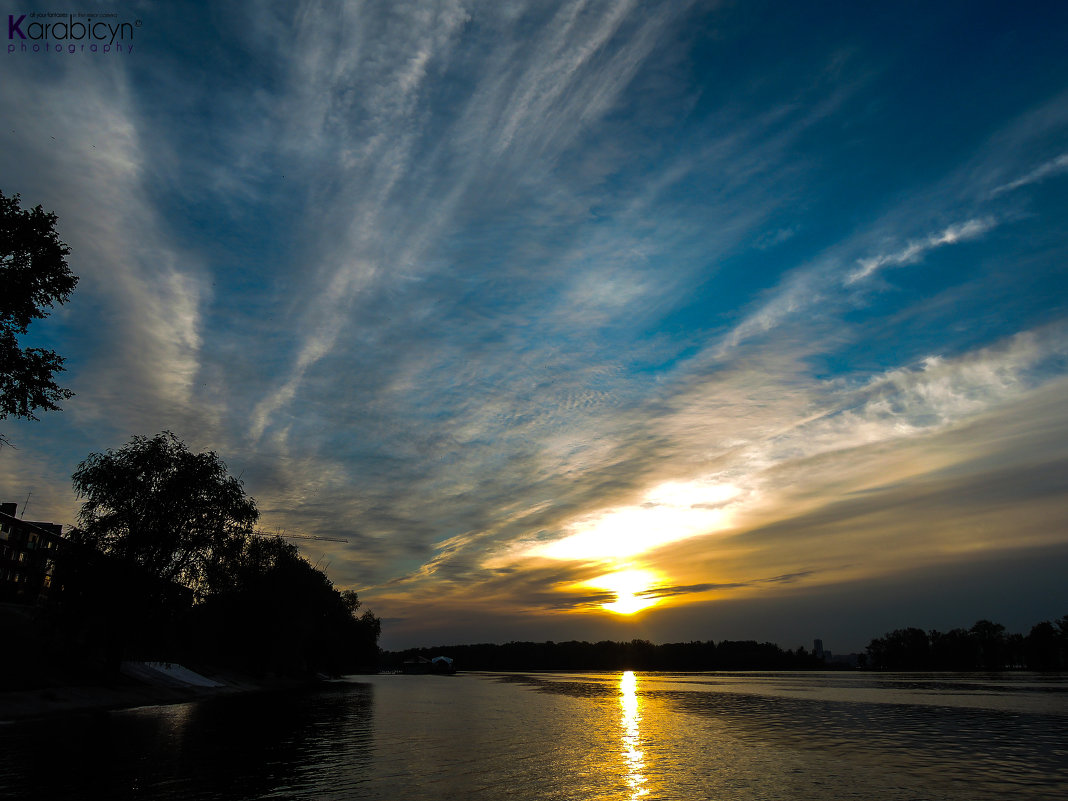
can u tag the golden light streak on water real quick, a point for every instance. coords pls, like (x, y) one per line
(631, 735)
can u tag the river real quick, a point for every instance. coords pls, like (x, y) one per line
(580, 736)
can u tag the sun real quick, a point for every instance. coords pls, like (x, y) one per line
(630, 587)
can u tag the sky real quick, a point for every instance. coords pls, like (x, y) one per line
(577, 320)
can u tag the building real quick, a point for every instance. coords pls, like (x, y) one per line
(27, 557)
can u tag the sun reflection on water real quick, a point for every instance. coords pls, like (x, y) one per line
(631, 737)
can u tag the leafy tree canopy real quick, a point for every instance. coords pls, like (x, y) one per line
(274, 610)
(177, 514)
(33, 277)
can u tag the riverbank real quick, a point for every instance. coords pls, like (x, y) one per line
(123, 693)
(43, 675)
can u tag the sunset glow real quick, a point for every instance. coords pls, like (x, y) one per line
(668, 513)
(628, 585)
(576, 319)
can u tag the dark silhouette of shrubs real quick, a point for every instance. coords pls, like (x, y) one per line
(985, 646)
(168, 567)
(280, 614)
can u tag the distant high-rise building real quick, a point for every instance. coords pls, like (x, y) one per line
(817, 648)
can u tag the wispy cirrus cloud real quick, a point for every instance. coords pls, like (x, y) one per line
(820, 285)
(1055, 166)
(515, 113)
(476, 286)
(144, 291)
(914, 251)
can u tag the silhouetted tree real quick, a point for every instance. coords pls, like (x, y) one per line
(33, 277)
(901, 649)
(167, 566)
(178, 515)
(991, 644)
(985, 646)
(278, 613)
(1046, 647)
(956, 649)
(369, 626)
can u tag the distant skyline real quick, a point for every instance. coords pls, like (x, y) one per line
(579, 320)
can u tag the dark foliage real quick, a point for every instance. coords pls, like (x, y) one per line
(168, 567)
(985, 646)
(178, 515)
(107, 609)
(278, 613)
(33, 278)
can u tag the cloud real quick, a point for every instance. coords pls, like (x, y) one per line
(823, 287)
(700, 589)
(669, 592)
(467, 284)
(915, 251)
(847, 439)
(141, 295)
(387, 201)
(1054, 166)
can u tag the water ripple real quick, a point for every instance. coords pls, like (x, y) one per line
(581, 737)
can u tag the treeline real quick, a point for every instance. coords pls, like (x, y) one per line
(608, 655)
(266, 612)
(166, 565)
(985, 646)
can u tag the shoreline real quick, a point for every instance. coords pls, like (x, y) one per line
(43, 703)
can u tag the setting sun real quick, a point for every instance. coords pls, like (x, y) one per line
(629, 586)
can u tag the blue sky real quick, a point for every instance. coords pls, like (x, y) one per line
(754, 311)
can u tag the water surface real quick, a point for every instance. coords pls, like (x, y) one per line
(569, 736)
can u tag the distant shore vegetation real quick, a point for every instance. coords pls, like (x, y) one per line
(986, 646)
(608, 655)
